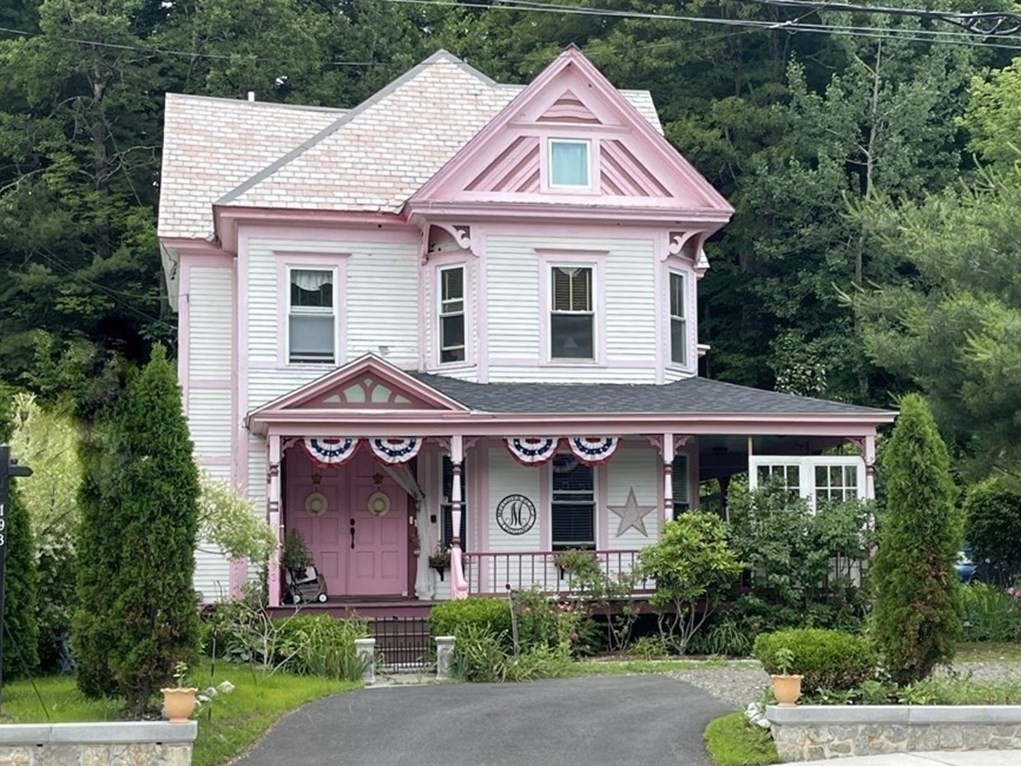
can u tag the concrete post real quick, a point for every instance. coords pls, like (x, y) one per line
(366, 650)
(444, 655)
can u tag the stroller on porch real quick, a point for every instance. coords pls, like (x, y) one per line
(304, 582)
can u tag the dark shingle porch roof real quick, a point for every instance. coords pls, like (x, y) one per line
(694, 395)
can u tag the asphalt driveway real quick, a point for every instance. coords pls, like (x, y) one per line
(599, 721)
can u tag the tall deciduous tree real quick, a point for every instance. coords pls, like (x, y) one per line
(917, 608)
(21, 634)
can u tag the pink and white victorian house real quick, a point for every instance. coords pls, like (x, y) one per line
(406, 330)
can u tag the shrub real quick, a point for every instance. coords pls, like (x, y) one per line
(990, 613)
(319, 645)
(693, 567)
(828, 659)
(482, 656)
(917, 613)
(992, 510)
(451, 617)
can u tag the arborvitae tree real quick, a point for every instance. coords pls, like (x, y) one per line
(917, 609)
(21, 631)
(137, 610)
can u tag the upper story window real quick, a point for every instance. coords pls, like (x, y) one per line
(573, 506)
(568, 164)
(678, 321)
(452, 324)
(311, 319)
(572, 319)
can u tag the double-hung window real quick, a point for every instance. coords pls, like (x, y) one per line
(568, 164)
(452, 323)
(447, 507)
(311, 319)
(573, 506)
(678, 321)
(572, 319)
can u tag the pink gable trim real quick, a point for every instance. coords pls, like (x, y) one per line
(638, 168)
(352, 387)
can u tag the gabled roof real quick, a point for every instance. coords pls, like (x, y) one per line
(638, 167)
(210, 145)
(688, 396)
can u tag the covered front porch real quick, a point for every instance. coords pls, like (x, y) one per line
(413, 488)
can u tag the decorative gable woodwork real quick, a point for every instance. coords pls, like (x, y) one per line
(515, 170)
(366, 393)
(569, 108)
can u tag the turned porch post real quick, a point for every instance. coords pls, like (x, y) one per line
(869, 454)
(273, 516)
(668, 477)
(458, 586)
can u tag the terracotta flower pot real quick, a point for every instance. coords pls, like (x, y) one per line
(786, 689)
(178, 704)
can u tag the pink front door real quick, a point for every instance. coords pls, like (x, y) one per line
(359, 543)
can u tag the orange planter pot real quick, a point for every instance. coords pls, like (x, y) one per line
(178, 704)
(786, 689)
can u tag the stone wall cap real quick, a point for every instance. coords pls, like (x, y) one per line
(804, 715)
(112, 733)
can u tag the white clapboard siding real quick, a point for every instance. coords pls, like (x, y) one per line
(258, 464)
(209, 323)
(382, 302)
(508, 477)
(268, 383)
(637, 468)
(212, 573)
(626, 319)
(209, 420)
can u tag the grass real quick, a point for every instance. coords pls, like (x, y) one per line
(226, 728)
(617, 667)
(732, 741)
(988, 651)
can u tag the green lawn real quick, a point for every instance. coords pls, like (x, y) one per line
(611, 667)
(988, 651)
(731, 741)
(232, 723)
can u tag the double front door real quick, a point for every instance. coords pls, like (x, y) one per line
(354, 519)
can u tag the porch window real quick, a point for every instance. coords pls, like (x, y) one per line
(452, 345)
(820, 479)
(568, 164)
(835, 483)
(311, 317)
(572, 320)
(573, 504)
(678, 321)
(788, 477)
(682, 503)
(447, 508)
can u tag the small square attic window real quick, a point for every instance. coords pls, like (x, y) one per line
(568, 164)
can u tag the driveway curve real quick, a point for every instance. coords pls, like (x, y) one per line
(600, 721)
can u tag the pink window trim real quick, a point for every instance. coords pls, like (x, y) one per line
(335, 262)
(593, 259)
(431, 321)
(675, 265)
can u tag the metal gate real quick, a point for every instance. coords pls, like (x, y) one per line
(402, 643)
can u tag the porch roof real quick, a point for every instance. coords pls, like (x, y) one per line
(691, 395)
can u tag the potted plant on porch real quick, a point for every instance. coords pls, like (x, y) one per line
(179, 700)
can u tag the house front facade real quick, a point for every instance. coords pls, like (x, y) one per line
(460, 319)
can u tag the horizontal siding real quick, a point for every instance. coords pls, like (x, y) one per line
(265, 385)
(512, 276)
(257, 467)
(209, 420)
(382, 302)
(209, 322)
(212, 573)
(632, 468)
(579, 374)
(508, 477)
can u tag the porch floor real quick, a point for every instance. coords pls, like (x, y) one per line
(369, 607)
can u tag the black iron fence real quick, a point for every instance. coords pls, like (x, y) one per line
(402, 643)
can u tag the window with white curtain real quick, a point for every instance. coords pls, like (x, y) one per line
(311, 318)
(572, 317)
(568, 164)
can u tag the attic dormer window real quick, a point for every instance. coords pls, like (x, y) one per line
(568, 164)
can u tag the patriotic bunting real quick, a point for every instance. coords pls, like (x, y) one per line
(532, 450)
(395, 451)
(330, 452)
(593, 449)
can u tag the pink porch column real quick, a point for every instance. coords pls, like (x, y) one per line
(668, 477)
(458, 584)
(273, 517)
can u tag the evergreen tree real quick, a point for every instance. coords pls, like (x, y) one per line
(21, 631)
(917, 609)
(139, 505)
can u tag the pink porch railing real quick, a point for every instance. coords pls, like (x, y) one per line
(492, 573)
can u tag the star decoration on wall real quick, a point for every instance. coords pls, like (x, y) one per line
(632, 515)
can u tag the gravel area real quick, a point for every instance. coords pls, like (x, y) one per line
(738, 683)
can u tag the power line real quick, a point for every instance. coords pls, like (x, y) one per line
(928, 36)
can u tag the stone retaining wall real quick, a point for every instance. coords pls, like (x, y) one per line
(128, 743)
(814, 732)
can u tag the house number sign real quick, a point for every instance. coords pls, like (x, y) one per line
(515, 514)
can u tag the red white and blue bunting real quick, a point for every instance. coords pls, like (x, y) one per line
(593, 449)
(395, 451)
(330, 451)
(534, 450)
